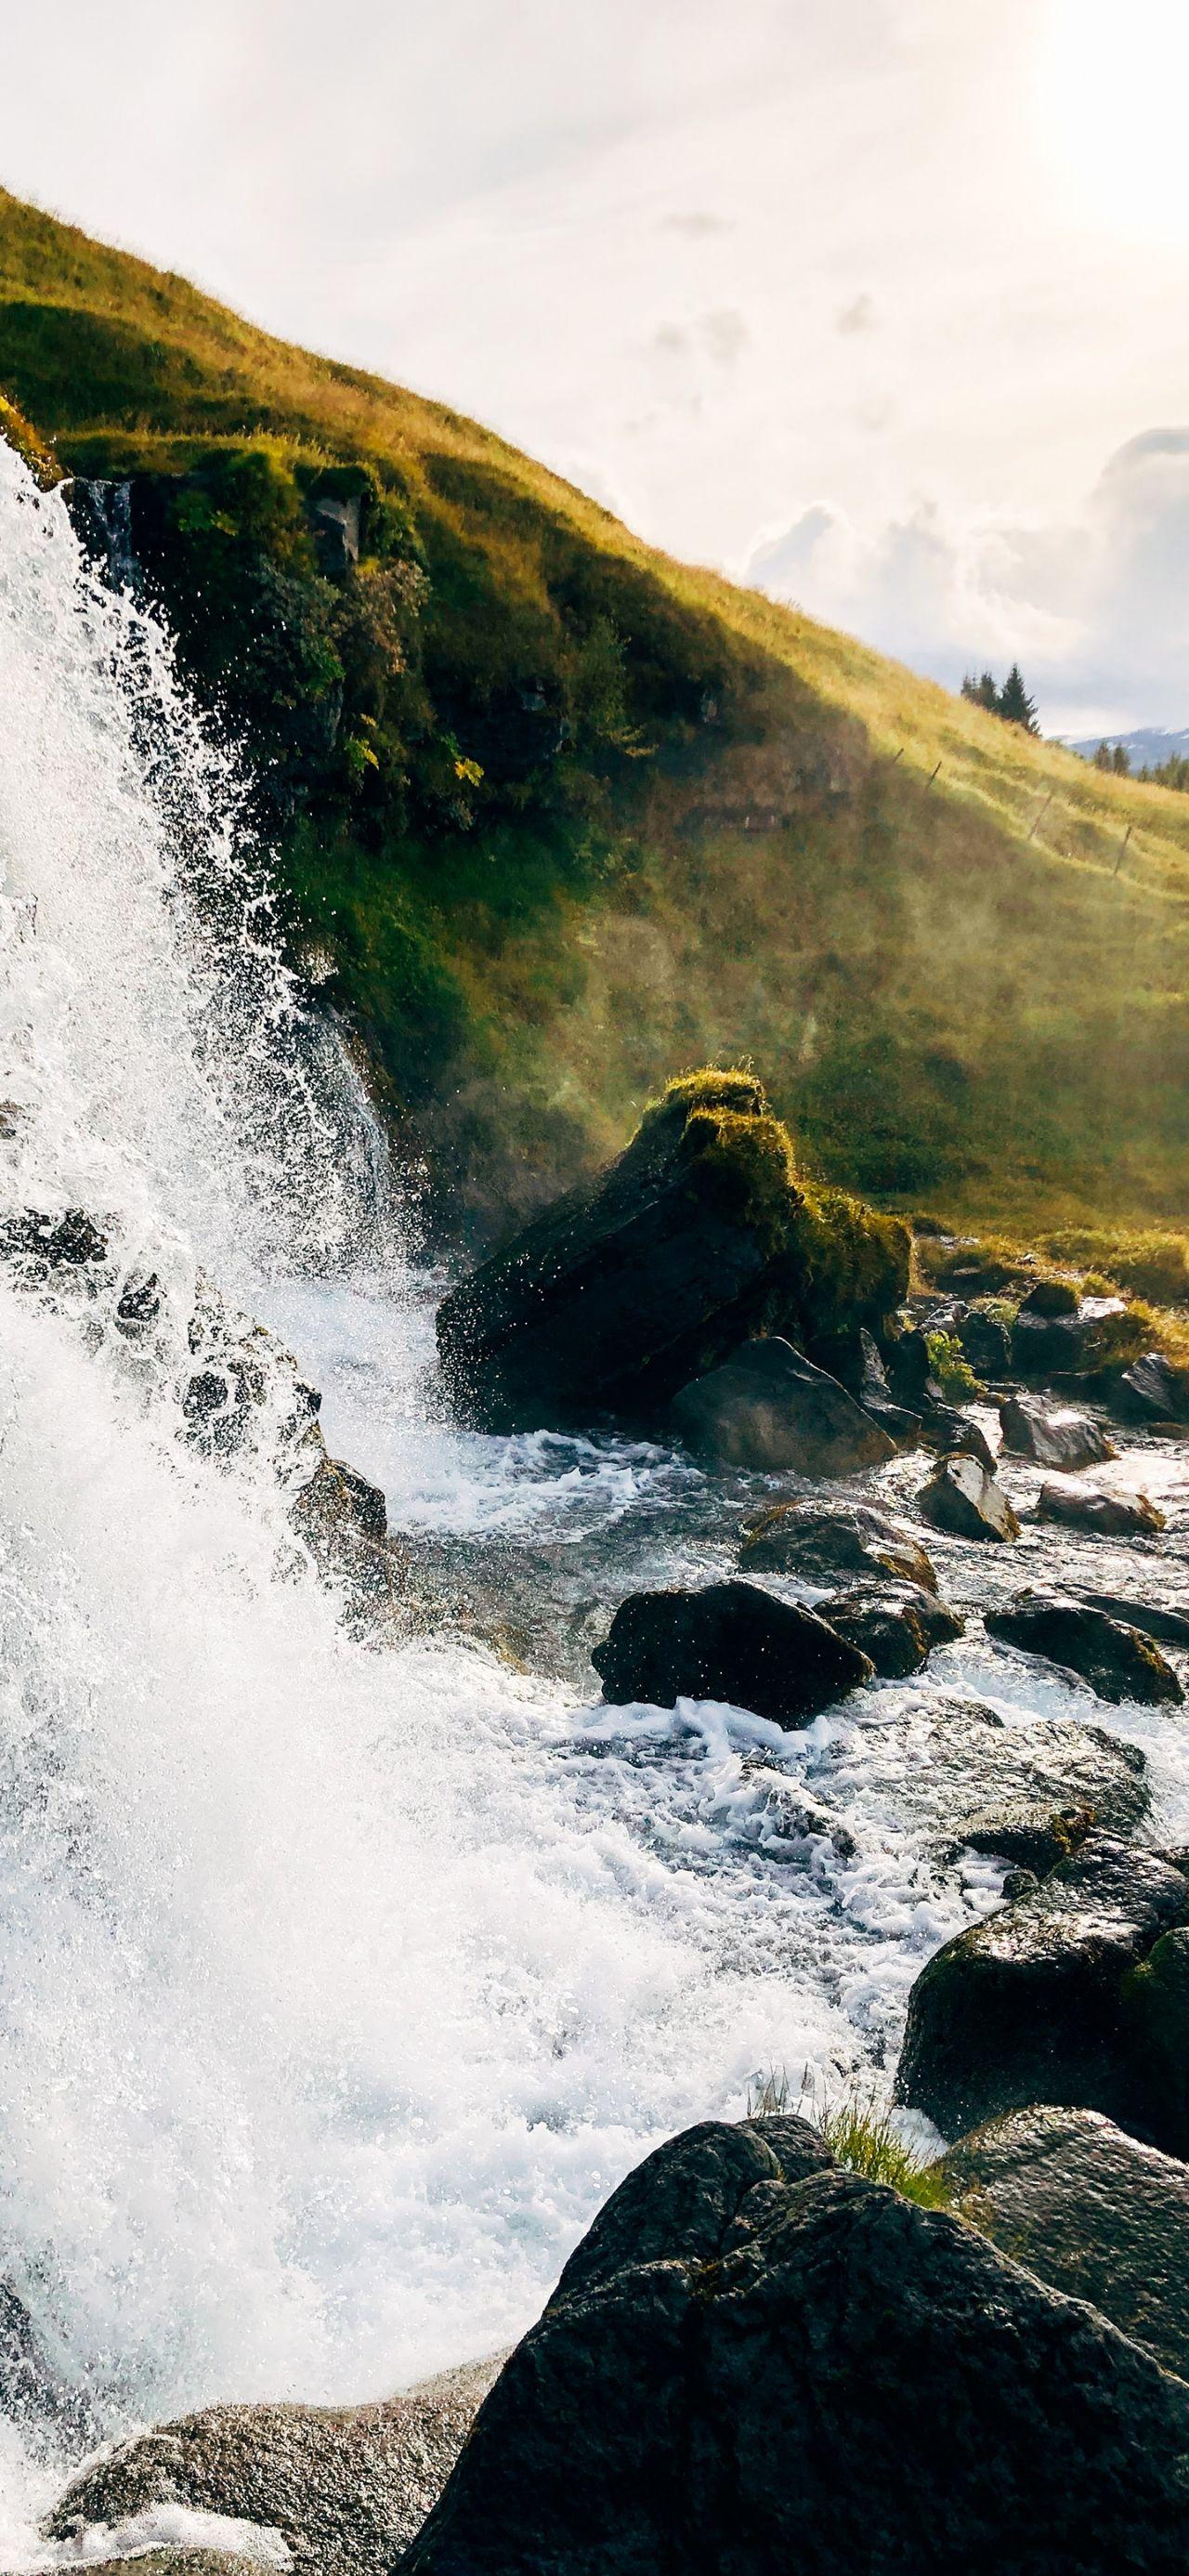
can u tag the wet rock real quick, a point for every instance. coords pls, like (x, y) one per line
(697, 1238)
(1051, 1297)
(688, 2197)
(964, 1500)
(730, 1642)
(45, 1243)
(1083, 1507)
(1063, 1440)
(1156, 2024)
(1117, 1661)
(346, 2487)
(948, 1433)
(1152, 1390)
(835, 2379)
(986, 1343)
(343, 1520)
(968, 1777)
(1028, 2005)
(783, 1821)
(1091, 2211)
(1055, 1346)
(889, 1627)
(52, 2416)
(768, 1408)
(1032, 1836)
(852, 1538)
(901, 1423)
(1152, 1618)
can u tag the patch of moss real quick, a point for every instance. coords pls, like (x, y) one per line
(846, 1259)
(951, 1368)
(32, 450)
(749, 1160)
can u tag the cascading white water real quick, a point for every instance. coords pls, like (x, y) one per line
(330, 2010)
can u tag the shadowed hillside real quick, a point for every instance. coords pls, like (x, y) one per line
(557, 815)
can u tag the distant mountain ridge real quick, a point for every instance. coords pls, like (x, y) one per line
(1147, 746)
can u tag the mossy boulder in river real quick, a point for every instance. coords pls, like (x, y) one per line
(701, 1235)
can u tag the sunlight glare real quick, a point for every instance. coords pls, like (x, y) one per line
(1110, 101)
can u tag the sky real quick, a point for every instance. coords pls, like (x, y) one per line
(875, 303)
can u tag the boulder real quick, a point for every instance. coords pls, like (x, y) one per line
(1031, 1835)
(893, 1628)
(909, 1370)
(848, 1538)
(1052, 1346)
(768, 1408)
(343, 1521)
(837, 2379)
(730, 1642)
(1091, 2211)
(901, 1423)
(1051, 1297)
(1152, 1390)
(1085, 1507)
(986, 1342)
(1117, 1661)
(1029, 2005)
(947, 1432)
(1154, 1619)
(699, 1236)
(965, 1501)
(40, 1244)
(1064, 1440)
(346, 2487)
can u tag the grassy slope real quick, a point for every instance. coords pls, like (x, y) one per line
(959, 992)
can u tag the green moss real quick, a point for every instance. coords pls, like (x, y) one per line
(847, 1260)
(1150, 1262)
(749, 1161)
(951, 1368)
(32, 450)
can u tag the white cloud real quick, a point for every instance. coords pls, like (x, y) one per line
(1095, 605)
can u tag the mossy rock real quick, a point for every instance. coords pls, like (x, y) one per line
(700, 1236)
(30, 447)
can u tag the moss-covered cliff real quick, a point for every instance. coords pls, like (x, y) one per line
(555, 814)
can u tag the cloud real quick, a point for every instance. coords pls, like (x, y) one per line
(697, 226)
(725, 335)
(859, 316)
(1094, 605)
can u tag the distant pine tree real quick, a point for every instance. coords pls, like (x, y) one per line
(1015, 706)
(1102, 757)
(1121, 760)
(982, 691)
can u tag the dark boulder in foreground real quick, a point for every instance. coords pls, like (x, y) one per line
(699, 1236)
(986, 1342)
(729, 1642)
(1093, 2212)
(844, 1538)
(1152, 1390)
(1034, 2003)
(768, 1408)
(1117, 1661)
(965, 1501)
(347, 2487)
(1103, 1515)
(1063, 1440)
(826, 2378)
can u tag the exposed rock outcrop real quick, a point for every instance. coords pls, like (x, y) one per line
(824, 2376)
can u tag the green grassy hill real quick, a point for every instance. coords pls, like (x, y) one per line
(557, 816)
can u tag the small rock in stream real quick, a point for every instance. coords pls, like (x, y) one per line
(1104, 1515)
(1117, 1661)
(851, 1538)
(965, 1501)
(896, 1627)
(730, 1642)
(1063, 1440)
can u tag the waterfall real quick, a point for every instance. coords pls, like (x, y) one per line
(333, 2002)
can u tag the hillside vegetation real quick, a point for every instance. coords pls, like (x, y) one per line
(556, 815)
